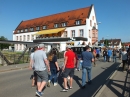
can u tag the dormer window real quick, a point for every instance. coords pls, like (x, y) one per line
(21, 30)
(26, 30)
(18, 31)
(64, 24)
(31, 29)
(78, 22)
(56, 25)
(38, 28)
(44, 27)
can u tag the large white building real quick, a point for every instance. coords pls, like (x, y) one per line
(80, 25)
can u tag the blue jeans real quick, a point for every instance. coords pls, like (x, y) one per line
(86, 70)
(53, 74)
(105, 58)
(80, 65)
(114, 58)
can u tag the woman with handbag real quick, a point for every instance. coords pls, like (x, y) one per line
(53, 68)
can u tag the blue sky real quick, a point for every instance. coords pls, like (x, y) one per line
(114, 15)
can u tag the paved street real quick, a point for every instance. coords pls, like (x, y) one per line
(18, 84)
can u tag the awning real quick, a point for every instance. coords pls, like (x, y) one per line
(50, 31)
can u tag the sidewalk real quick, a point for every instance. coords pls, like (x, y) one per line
(21, 66)
(118, 86)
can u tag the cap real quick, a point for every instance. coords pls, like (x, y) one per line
(41, 45)
(68, 46)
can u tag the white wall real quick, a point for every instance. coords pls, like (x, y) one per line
(22, 34)
(88, 24)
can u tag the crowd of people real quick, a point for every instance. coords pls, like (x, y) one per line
(40, 63)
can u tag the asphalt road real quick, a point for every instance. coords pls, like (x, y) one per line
(18, 84)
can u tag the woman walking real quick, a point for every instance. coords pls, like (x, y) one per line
(53, 68)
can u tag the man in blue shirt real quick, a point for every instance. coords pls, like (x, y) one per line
(87, 58)
(109, 53)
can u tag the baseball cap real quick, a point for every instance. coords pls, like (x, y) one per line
(41, 45)
(68, 46)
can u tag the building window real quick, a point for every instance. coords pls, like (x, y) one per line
(20, 46)
(18, 31)
(20, 38)
(28, 37)
(81, 33)
(26, 30)
(31, 29)
(56, 25)
(21, 30)
(16, 46)
(89, 34)
(73, 33)
(95, 25)
(24, 38)
(64, 24)
(37, 28)
(65, 34)
(44, 27)
(16, 38)
(32, 37)
(93, 34)
(91, 23)
(93, 18)
(78, 22)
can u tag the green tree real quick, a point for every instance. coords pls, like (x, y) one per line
(106, 42)
(3, 45)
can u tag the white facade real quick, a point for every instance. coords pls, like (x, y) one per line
(71, 32)
(27, 37)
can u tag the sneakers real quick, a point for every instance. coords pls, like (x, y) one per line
(64, 90)
(89, 82)
(48, 84)
(71, 88)
(55, 84)
(83, 87)
(39, 94)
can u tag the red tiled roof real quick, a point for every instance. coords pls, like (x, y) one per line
(49, 21)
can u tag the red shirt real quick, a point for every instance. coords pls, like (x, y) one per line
(70, 61)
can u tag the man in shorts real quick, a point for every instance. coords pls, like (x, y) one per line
(68, 68)
(40, 59)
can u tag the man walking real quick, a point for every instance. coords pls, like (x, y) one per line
(40, 59)
(87, 58)
(68, 68)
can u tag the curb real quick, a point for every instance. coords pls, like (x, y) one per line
(12, 69)
(105, 85)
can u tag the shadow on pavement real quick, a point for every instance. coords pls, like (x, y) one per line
(98, 81)
(117, 83)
